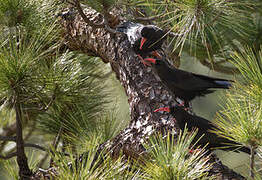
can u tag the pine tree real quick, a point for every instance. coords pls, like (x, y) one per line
(52, 84)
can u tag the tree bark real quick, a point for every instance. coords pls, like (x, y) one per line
(24, 171)
(144, 90)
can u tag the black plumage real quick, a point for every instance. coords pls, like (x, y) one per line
(186, 85)
(204, 134)
(143, 38)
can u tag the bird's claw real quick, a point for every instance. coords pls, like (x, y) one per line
(156, 54)
(143, 61)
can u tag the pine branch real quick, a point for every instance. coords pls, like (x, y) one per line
(104, 24)
(35, 146)
(49, 103)
(55, 143)
(87, 20)
(7, 138)
(147, 18)
(33, 95)
(252, 162)
(7, 131)
(9, 156)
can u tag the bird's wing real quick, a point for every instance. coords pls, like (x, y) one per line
(185, 80)
(192, 82)
(210, 78)
(201, 123)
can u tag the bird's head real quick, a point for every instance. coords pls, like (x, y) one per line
(147, 31)
(150, 33)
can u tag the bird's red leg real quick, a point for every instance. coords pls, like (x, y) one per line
(180, 102)
(142, 60)
(192, 151)
(183, 104)
(156, 54)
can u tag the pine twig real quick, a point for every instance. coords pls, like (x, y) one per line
(252, 161)
(8, 156)
(147, 18)
(7, 138)
(55, 143)
(103, 24)
(34, 94)
(36, 146)
(7, 131)
(82, 14)
(49, 104)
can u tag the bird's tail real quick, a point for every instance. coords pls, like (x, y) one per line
(223, 84)
(236, 147)
(242, 149)
(124, 26)
(216, 82)
(245, 150)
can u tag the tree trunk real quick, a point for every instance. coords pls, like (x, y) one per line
(24, 171)
(144, 90)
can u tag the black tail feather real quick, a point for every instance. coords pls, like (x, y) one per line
(245, 150)
(235, 147)
(224, 84)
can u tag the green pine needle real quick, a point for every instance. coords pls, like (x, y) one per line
(104, 167)
(205, 29)
(173, 160)
(100, 5)
(240, 119)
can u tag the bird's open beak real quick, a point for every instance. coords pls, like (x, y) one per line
(143, 40)
(152, 60)
(167, 109)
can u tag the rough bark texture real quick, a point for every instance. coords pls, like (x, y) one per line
(24, 171)
(144, 90)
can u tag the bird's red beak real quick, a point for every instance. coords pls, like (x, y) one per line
(152, 60)
(143, 40)
(167, 109)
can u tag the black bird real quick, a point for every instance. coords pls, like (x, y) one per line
(204, 126)
(186, 85)
(143, 38)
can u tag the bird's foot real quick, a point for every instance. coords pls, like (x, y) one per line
(184, 104)
(180, 102)
(143, 61)
(194, 151)
(156, 54)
